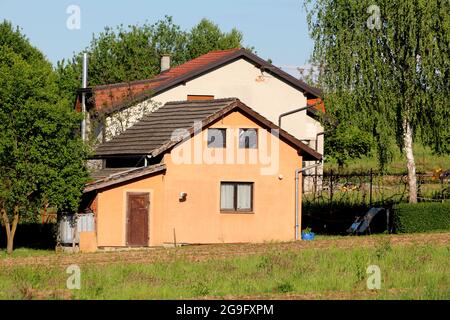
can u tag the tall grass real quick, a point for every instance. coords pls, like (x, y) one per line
(409, 272)
(426, 161)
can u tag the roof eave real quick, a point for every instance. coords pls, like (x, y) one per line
(123, 177)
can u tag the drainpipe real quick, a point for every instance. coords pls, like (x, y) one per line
(317, 139)
(317, 146)
(295, 111)
(297, 174)
(83, 97)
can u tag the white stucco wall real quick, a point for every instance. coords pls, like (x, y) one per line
(262, 92)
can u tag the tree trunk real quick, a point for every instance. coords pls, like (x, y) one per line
(410, 162)
(10, 230)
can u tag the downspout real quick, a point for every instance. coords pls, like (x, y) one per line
(317, 147)
(297, 174)
(295, 111)
(317, 140)
(83, 97)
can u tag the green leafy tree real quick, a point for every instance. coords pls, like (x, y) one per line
(41, 159)
(207, 36)
(344, 143)
(124, 54)
(386, 71)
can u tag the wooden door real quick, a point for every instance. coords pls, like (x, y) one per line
(137, 219)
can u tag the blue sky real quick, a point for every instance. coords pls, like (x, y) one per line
(276, 28)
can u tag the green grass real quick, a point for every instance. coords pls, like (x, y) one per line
(26, 252)
(426, 161)
(407, 272)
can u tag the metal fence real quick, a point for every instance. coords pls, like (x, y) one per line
(371, 188)
(331, 201)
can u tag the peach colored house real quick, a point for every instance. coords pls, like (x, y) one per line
(212, 171)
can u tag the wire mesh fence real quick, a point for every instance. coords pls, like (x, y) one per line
(371, 188)
(332, 200)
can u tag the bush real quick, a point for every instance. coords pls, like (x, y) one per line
(422, 217)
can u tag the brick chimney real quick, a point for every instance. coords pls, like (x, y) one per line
(165, 62)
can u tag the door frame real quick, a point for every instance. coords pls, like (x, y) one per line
(127, 214)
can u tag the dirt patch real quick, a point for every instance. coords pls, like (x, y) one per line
(220, 251)
(324, 295)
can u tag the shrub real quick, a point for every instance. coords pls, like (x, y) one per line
(284, 287)
(422, 217)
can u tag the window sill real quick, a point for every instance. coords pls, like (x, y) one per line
(236, 212)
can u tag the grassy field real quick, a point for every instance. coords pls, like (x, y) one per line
(426, 161)
(329, 268)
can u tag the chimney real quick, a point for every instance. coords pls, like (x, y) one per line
(165, 62)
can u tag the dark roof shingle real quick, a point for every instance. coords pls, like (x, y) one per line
(123, 175)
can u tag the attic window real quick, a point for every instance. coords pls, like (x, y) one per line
(248, 138)
(217, 138)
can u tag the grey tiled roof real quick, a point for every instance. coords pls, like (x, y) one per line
(124, 175)
(106, 172)
(156, 128)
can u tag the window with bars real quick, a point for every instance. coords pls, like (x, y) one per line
(236, 196)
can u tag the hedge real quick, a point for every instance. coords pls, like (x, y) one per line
(422, 217)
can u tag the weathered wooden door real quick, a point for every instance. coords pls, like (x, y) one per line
(137, 219)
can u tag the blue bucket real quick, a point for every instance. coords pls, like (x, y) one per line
(308, 236)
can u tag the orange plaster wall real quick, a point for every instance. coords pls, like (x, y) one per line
(198, 219)
(112, 210)
(88, 241)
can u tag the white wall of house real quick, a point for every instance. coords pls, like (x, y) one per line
(262, 92)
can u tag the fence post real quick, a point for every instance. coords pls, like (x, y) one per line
(371, 186)
(331, 189)
(442, 187)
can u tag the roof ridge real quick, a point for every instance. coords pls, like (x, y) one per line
(162, 75)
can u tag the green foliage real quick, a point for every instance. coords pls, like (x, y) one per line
(422, 217)
(383, 248)
(41, 159)
(124, 54)
(381, 78)
(207, 36)
(284, 287)
(426, 161)
(307, 230)
(200, 289)
(12, 37)
(346, 143)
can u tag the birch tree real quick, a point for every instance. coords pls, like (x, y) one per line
(386, 71)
